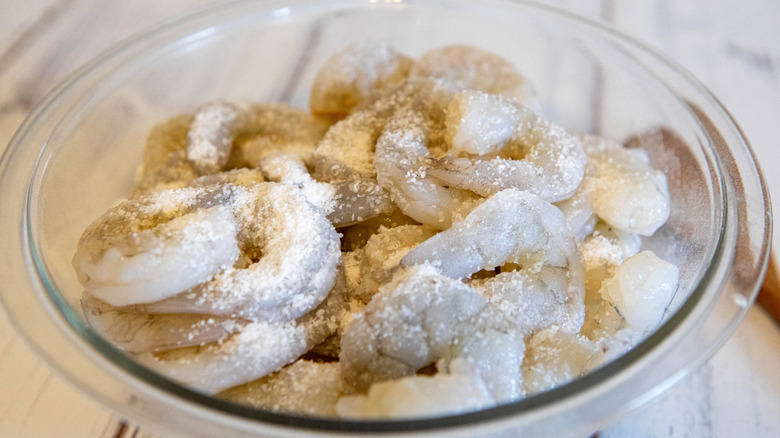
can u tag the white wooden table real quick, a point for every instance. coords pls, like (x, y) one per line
(733, 47)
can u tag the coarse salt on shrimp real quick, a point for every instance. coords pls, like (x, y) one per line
(210, 138)
(137, 332)
(627, 192)
(165, 164)
(259, 349)
(345, 203)
(346, 152)
(401, 153)
(540, 156)
(422, 317)
(473, 68)
(303, 387)
(350, 75)
(417, 397)
(294, 253)
(151, 248)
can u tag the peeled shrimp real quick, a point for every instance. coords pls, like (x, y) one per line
(535, 300)
(473, 68)
(346, 152)
(540, 157)
(417, 396)
(422, 317)
(555, 357)
(259, 349)
(627, 192)
(272, 127)
(303, 387)
(602, 252)
(165, 165)
(510, 227)
(298, 253)
(184, 264)
(350, 75)
(345, 203)
(137, 332)
(154, 247)
(210, 138)
(382, 255)
(641, 289)
(401, 153)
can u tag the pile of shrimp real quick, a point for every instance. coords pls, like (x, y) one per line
(421, 242)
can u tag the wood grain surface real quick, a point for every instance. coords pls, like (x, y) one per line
(733, 47)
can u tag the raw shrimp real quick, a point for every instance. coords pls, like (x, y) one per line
(401, 153)
(298, 252)
(479, 123)
(303, 387)
(473, 68)
(602, 252)
(274, 127)
(136, 332)
(641, 289)
(627, 192)
(210, 138)
(156, 246)
(236, 177)
(165, 165)
(132, 255)
(510, 227)
(383, 253)
(417, 396)
(535, 300)
(555, 357)
(356, 236)
(346, 152)
(540, 157)
(578, 211)
(422, 317)
(345, 203)
(350, 75)
(259, 349)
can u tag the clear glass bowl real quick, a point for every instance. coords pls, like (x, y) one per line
(77, 152)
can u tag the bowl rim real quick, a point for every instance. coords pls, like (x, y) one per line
(61, 309)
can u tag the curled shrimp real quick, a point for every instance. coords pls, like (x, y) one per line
(142, 252)
(510, 227)
(540, 156)
(156, 246)
(382, 255)
(602, 252)
(473, 68)
(627, 192)
(346, 152)
(345, 203)
(210, 138)
(353, 73)
(165, 164)
(422, 317)
(137, 332)
(292, 250)
(401, 154)
(260, 348)
(272, 127)
(535, 300)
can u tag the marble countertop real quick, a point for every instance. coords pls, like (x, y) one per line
(732, 47)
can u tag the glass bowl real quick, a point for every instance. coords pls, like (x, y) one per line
(77, 152)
